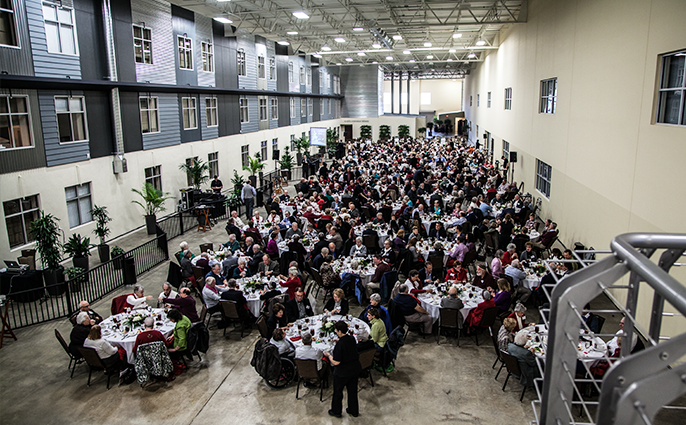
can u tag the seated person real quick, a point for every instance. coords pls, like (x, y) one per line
(437, 251)
(149, 334)
(452, 300)
(337, 304)
(298, 307)
(292, 283)
(84, 306)
(412, 310)
(293, 231)
(187, 267)
(183, 325)
(268, 267)
(167, 292)
(506, 333)
(528, 254)
(503, 295)
(137, 300)
(210, 294)
(308, 352)
(79, 333)
(363, 341)
(417, 284)
(519, 316)
(233, 294)
(279, 339)
(269, 292)
(426, 274)
(277, 319)
(358, 250)
(437, 231)
(375, 302)
(106, 351)
(242, 270)
(232, 243)
(319, 259)
(525, 358)
(475, 315)
(516, 272)
(377, 329)
(456, 273)
(381, 268)
(184, 303)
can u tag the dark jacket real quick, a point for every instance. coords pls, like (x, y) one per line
(344, 306)
(266, 360)
(292, 309)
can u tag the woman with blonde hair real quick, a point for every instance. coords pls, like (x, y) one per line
(506, 333)
(108, 353)
(337, 304)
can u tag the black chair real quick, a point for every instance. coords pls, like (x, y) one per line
(230, 313)
(601, 322)
(262, 326)
(73, 360)
(449, 319)
(367, 361)
(397, 319)
(347, 246)
(438, 269)
(491, 242)
(497, 354)
(307, 370)
(205, 247)
(94, 362)
(487, 320)
(174, 275)
(512, 365)
(468, 263)
(372, 243)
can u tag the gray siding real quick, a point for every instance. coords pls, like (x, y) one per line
(247, 43)
(203, 32)
(12, 160)
(183, 24)
(261, 50)
(253, 116)
(271, 54)
(157, 16)
(57, 153)
(170, 126)
(308, 68)
(207, 132)
(361, 88)
(18, 61)
(46, 64)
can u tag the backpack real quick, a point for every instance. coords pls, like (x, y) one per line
(395, 341)
(198, 338)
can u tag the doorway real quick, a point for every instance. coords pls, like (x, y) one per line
(347, 131)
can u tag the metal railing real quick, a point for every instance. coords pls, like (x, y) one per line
(45, 303)
(638, 383)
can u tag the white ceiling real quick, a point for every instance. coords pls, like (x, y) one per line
(416, 21)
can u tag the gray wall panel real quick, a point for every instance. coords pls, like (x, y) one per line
(247, 43)
(203, 32)
(207, 132)
(228, 115)
(253, 116)
(156, 15)
(131, 119)
(89, 24)
(57, 153)
(18, 61)
(282, 73)
(170, 125)
(183, 25)
(225, 58)
(284, 111)
(361, 88)
(101, 142)
(25, 158)
(123, 36)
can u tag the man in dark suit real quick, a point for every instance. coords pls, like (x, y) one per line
(299, 307)
(323, 243)
(254, 262)
(233, 294)
(319, 259)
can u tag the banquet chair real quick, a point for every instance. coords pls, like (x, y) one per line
(230, 313)
(282, 299)
(118, 303)
(468, 263)
(449, 319)
(307, 370)
(73, 360)
(152, 359)
(371, 242)
(203, 313)
(498, 358)
(94, 362)
(512, 365)
(439, 270)
(367, 361)
(199, 278)
(487, 321)
(255, 237)
(491, 242)
(205, 247)
(262, 326)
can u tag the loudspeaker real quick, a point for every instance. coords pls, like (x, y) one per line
(513, 156)
(275, 154)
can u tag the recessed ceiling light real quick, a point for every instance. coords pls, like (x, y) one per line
(301, 15)
(358, 29)
(471, 56)
(450, 59)
(389, 58)
(432, 69)
(397, 37)
(223, 20)
(348, 59)
(412, 61)
(428, 44)
(283, 43)
(376, 45)
(326, 48)
(361, 54)
(338, 63)
(457, 35)
(480, 43)
(452, 51)
(317, 56)
(429, 56)
(375, 62)
(292, 32)
(339, 40)
(406, 52)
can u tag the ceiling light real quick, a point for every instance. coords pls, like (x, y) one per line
(339, 40)
(326, 48)
(428, 44)
(375, 62)
(397, 37)
(361, 54)
(223, 20)
(450, 59)
(348, 59)
(389, 58)
(480, 43)
(358, 29)
(452, 51)
(317, 56)
(406, 52)
(283, 43)
(338, 63)
(471, 56)
(222, 0)
(412, 61)
(457, 35)
(292, 32)
(376, 45)
(429, 56)
(301, 15)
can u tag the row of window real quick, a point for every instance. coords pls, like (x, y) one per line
(508, 99)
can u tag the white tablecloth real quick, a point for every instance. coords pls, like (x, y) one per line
(589, 350)
(343, 265)
(432, 302)
(115, 334)
(319, 340)
(253, 295)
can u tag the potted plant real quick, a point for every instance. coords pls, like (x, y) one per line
(254, 166)
(79, 249)
(429, 126)
(153, 202)
(197, 170)
(465, 127)
(366, 132)
(448, 125)
(421, 130)
(301, 144)
(76, 278)
(46, 232)
(101, 218)
(286, 163)
(384, 132)
(403, 131)
(331, 142)
(118, 257)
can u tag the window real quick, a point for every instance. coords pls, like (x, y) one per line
(328, 83)
(243, 109)
(671, 108)
(508, 98)
(8, 26)
(189, 110)
(272, 69)
(213, 163)
(153, 175)
(245, 155)
(261, 68)
(19, 214)
(78, 204)
(275, 146)
(321, 107)
(292, 142)
(15, 122)
(543, 177)
(470, 100)
(290, 72)
(302, 75)
(309, 76)
(330, 101)
(71, 118)
(263, 108)
(489, 100)
(185, 46)
(211, 111)
(150, 121)
(142, 44)
(478, 100)
(310, 106)
(548, 96)
(189, 176)
(321, 79)
(207, 51)
(274, 107)
(59, 28)
(263, 150)
(303, 108)
(292, 105)
(240, 61)
(506, 149)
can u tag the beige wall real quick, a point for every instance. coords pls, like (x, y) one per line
(446, 95)
(614, 170)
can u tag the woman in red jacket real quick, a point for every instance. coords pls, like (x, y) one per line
(475, 316)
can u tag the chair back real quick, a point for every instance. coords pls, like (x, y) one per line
(282, 299)
(478, 233)
(511, 363)
(317, 277)
(437, 262)
(64, 344)
(307, 369)
(199, 276)
(118, 303)
(229, 309)
(371, 242)
(255, 237)
(262, 326)
(495, 342)
(601, 322)
(91, 357)
(346, 247)
(206, 247)
(448, 318)
(174, 276)
(491, 240)
(488, 319)
(203, 313)
(397, 319)
(321, 224)
(367, 358)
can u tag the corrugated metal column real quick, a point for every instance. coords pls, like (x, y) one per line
(408, 93)
(112, 68)
(400, 92)
(392, 92)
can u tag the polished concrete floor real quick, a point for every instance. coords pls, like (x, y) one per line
(431, 383)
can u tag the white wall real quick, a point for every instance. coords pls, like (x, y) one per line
(392, 121)
(446, 95)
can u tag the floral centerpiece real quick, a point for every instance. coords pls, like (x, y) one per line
(435, 217)
(267, 225)
(328, 327)
(306, 242)
(540, 268)
(253, 284)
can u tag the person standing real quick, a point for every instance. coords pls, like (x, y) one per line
(216, 185)
(346, 370)
(248, 197)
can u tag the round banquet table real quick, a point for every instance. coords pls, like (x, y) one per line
(589, 349)
(113, 329)
(432, 302)
(253, 295)
(320, 340)
(343, 265)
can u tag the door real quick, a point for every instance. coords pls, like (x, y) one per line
(347, 132)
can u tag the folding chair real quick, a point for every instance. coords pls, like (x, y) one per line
(307, 370)
(231, 313)
(94, 362)
(512, 365)
(73, 360)
(449, 319)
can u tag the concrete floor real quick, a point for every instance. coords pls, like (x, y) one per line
(431, 383)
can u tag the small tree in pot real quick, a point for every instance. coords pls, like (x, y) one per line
(366, 132)
(75, 278)
(153, 202)
(118, 257)
(384, 132)
(79, 249)
(403, 131)
(198, 172)
(421, 130)
(255, 165)
(101, 230)
(46, 232)
(286, 163)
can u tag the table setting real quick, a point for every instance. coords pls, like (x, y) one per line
(321, 328)
(122, 329)
(252, 289)
(589, 348)
(470, 296)
(366, 270)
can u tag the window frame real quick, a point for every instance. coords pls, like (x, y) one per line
(207, 56)
(147, 111)
(240, 63)
(508, 99)
(275, 145)
(272, 69)
(329, 102)
(291, 104)
(213, 163)
(77, 201)
(245, 155)
(186, 50)
(321, 108)
(261, 67)
(59, 27)
(11, 114)
(189, 176)
(470, 100)
(488, 104)
(155, 177)
(291, 71)
(661, 103)
(310, 106)
(543, 181)
(211, 110)
(194, 108)
(143, 41)
(85, 118)
(302, 75)
(303, 108)
(506, 149)
(263, 150)
(13, 21)
(274, 108)
(26, 229)
(321, 78)
(308, 71)
(244, 109)
(263, 109)
(548, 102)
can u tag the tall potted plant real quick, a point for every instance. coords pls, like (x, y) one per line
(198, 170)
(46, 232)
(79, 249)
(429, 126)
(331, 141)
(101, 230)
(421, 130)
(153, 202)
(366, 132)
(76, 278)
(254, 166)
(403, 131)
(384, 132)
(286, 163)
(118, 257)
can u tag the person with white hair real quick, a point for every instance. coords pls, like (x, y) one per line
(364, 343)
(80, 332)
(137, 300)
(525, 358)
(516, 272)
(358, 250)
(232, 243)
(292, 283)
(167, 292)
(211, 295)
(84, 306)
(183, 246)
(519, 316)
